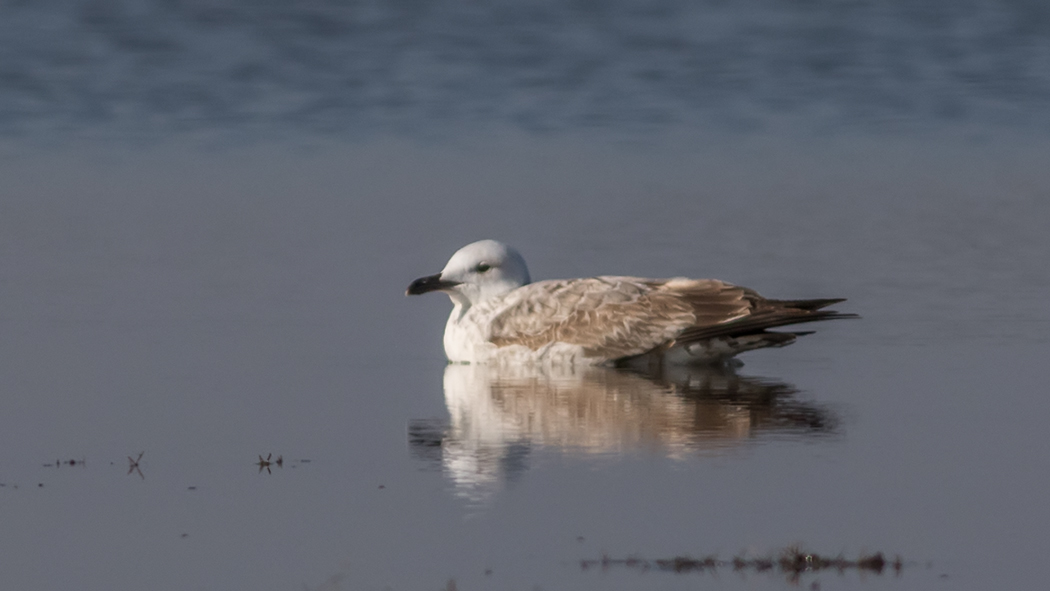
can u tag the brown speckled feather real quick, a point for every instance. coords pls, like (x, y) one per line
(616, 317)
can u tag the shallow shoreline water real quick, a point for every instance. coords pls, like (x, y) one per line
(209, 270)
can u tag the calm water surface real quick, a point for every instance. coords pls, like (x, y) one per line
(209, 213)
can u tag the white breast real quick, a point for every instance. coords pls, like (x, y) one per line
(465, 340)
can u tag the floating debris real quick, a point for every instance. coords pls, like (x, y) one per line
(133, 465)
(268, 461)
(73, 462)
(792, 562)
(265, 463)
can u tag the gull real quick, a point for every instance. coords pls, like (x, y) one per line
(499, 315)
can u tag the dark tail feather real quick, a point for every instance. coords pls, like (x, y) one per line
(760, 322)
(808, 304)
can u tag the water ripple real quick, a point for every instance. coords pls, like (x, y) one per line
(165, 65)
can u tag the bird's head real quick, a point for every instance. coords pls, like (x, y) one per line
(477, 272)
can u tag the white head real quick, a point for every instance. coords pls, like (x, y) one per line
(477, 272)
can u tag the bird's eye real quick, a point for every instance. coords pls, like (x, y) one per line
(482, 267)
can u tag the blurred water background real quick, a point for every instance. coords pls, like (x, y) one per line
(209, 212)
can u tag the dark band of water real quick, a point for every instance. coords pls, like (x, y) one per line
(159, 66)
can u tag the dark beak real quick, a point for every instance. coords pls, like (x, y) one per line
(429, 283)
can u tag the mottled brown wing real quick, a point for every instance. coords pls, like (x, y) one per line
(615, 317)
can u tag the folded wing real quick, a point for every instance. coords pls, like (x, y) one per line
(617, 317)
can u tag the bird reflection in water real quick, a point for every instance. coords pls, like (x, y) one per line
(500, 415)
